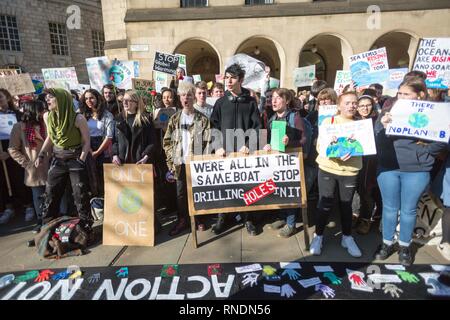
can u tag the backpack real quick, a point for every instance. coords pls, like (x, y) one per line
(62, 237)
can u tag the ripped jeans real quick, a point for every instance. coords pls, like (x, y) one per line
(346, 186)
(58, 175)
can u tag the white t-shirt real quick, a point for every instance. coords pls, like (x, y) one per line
(185, 122)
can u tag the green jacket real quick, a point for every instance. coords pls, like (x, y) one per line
(172, 144)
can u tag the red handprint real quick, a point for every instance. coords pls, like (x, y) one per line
(44, 276)
(170, 271)
(356, 279)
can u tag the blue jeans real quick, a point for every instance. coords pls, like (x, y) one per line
(37, 200)
(290, 215)
(401, 191)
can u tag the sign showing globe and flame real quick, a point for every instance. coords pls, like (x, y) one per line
(129, 201)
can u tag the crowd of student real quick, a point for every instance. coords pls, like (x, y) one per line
(63, 137)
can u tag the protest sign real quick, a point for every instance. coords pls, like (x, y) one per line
(182, 62)
(17, 84)
(83, 87)
(326, 111)
(121, 73)
(304, 76)
(369, 67)
(7, 121)
(274, 83)
(98, 71)
(396, 77)
(254, 70)
(355, 138)
(343, 78)
(433, 58)
(420, 119)
(38, 82)
(161, 80)
(161, 117)
(166, 63)
(197, 78)
(278, 131)
(7, 72)
(129, 206)
(65, 78)
(219, 78)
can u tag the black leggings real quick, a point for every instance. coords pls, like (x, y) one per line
(346, 188)
(446, 226)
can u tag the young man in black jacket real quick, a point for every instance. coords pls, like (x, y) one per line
(234, 112)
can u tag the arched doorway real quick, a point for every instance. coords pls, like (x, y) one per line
(326, 51)
(398, 47)
(264, 50)
(201, 58)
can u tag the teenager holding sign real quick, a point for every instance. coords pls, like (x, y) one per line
(340, 173)
(404, 166)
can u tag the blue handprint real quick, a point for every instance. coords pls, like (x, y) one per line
(292, 274)
(122, 272)
(61, 275)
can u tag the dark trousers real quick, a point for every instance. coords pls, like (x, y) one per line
(182, 200)
(446, 226)
(60, 171)
(346, 188)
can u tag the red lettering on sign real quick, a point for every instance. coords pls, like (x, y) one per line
(259, 192)
(432, 74)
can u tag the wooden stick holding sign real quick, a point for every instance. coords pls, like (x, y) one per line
(5, 169)
(237, 183)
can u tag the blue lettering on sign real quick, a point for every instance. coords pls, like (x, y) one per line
(442, 134)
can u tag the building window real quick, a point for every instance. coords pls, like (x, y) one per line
(98, 42)
(14, 67)
(9, 34)
(193, 3)
(258, 2)
(58, 39)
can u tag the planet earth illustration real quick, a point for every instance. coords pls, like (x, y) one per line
(117, 73)
(38, 86)
(129, 201)
(418, 120)
(344, 146)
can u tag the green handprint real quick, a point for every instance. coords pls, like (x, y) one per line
(269, 270)
(334, 279)
(408, 277)
(30, 275)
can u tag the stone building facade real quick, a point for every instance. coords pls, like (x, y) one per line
(31, 18)
(285, 34)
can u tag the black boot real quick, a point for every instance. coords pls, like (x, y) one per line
(219, 227)
(405, 256)
(384, 252)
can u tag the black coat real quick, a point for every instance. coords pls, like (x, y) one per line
(241, 113)
(134, 143)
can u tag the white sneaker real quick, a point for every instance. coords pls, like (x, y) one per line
(349, 243)
(29, 214)
(316, 245)
(444, 249)
(8, 214)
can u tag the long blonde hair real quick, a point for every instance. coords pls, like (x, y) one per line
(141, 117)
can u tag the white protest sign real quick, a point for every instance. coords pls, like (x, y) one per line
(343, 78)
(433, 58)
(122, 72)
(420, 119)
(355, 138)
(250, 268)
(197, 78)
(304, 76)
(7, 121)
(65, 78)
(369, 67)
(98, 71)
(182, 63)
(254, 70)
(326, 111)
(161, 80)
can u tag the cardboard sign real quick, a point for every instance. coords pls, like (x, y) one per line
(161, 117)
(325, 112)
(166, 63)
(129, 205)
(420, 119)
(7, 121)
(355, 138)
(65, 78)
(254, 70)
(429, 214)
(343, 78)
(433, 58)
(369, 67)
(7, 72)
(17, 84)
(304, 76)
(143, 85)
(219, 184)
(98, 71)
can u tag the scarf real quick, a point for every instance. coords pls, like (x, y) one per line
(61, 122)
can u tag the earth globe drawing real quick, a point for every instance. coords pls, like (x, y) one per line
(359, 69)
(344, 146)
(418, 120)
(117, 74)
(129, 201)
(38, 86)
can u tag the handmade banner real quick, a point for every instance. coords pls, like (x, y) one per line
(98, 71)
(274, 83)
(326, 111)
(145, 89)
(304, 77)
(166, 63)
(161, 117)
(197, 78)
(355, 138)
(254, 70)
(161, 80)
(420, 119)
(17, 84)
(121, 73)
(369, 67)
(7, 72)
(65, 78)
(7, 121)
(343, 78)
(219, 184)
(433, 58)
(182, 62)
(129, 205)
(396, 77)
(38, 82)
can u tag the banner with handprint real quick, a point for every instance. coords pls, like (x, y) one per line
(354, 138)
(129, 207)
(369, 67)
(420, 119)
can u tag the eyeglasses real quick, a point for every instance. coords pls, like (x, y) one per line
(128, 100)
(367, 106)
